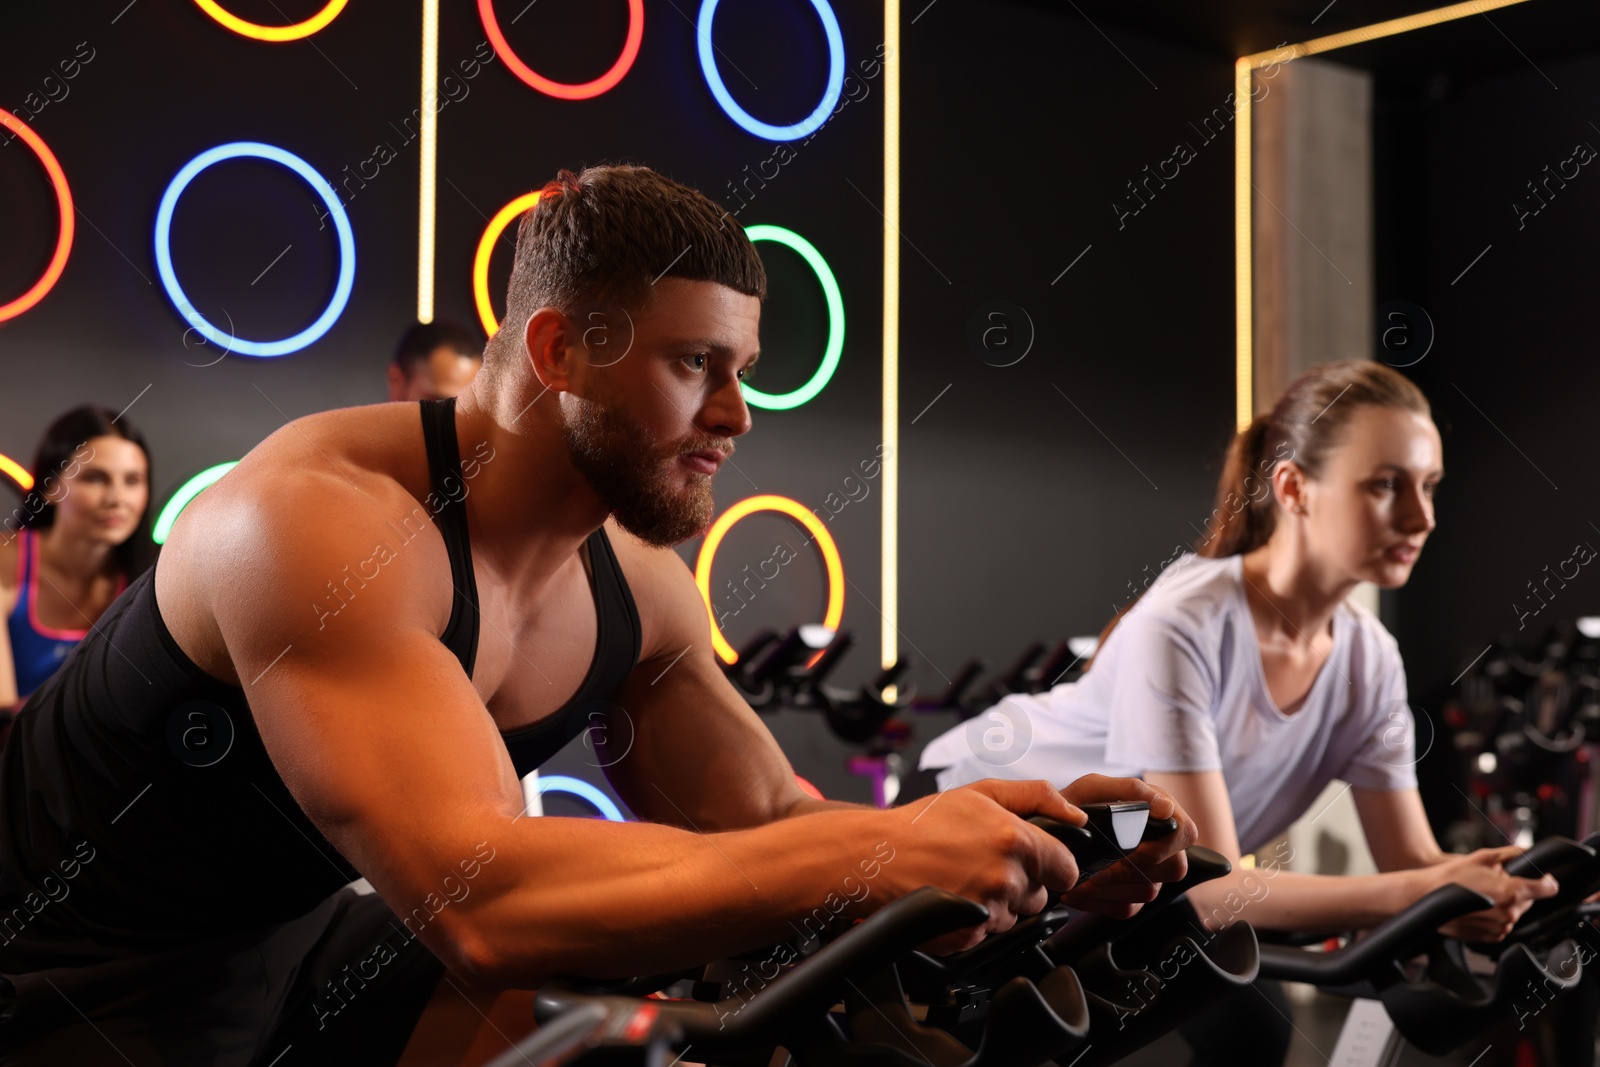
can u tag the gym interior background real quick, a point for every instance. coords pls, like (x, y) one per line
(1070, 169)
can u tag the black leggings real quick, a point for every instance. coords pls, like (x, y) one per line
(1249, 1028)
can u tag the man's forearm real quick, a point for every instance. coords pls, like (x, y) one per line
(609, 900)
(811, 805)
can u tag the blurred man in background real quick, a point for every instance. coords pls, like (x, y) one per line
(434, 360)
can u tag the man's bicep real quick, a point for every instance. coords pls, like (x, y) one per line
(387, 750)
(365, 711)
(361, 730)
(700, 758)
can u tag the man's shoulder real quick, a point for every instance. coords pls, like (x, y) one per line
(321, 490)
(326, 462)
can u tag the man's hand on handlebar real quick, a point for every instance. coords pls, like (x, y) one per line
(973, 841)
(1484, 872)
(1120, 890)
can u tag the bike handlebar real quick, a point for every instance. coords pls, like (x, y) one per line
(1576, 869)
(812, 987)
(1399, 937)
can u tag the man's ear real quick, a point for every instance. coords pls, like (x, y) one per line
(397, 383)
(549, 340)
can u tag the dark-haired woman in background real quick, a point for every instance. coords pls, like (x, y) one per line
(1243, 681)
(78, 537)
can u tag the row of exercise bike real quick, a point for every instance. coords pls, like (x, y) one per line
(1063, 987)
(1525, 726)
(1060, 987)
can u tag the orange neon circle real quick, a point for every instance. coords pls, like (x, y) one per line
(480, 262)
(16, 472)
(273, 33)
(630, 52)
(58, 178)
(794, 510)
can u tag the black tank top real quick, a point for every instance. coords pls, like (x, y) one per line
(139, 810)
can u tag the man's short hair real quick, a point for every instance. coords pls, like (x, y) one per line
(423, 339)
(603, 237)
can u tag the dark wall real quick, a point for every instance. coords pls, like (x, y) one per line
(1034, 495)
(1511, 374)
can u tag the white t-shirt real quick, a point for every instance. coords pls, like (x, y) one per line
(1179, 686)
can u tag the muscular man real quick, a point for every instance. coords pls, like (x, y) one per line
(357, 641)
(433, 360)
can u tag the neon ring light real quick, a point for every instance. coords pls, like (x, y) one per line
(835, 345)
(480, 262)
(16, 472)
(708, 64)
(273, 33)
(561, 783)
(347, 248)
(182, 498)
(794, 510)
(630, 52)
(58, 179)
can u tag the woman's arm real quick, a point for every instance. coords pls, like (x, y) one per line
(1397, 829)
(1271, 898)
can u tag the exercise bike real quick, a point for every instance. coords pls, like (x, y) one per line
(1048, 989)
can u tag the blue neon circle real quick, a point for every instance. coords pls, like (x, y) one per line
(561, 783)
(169, 279)
(708, 63)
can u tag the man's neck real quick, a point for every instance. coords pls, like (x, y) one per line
(528, 509)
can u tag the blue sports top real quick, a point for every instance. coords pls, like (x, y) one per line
(37, 650)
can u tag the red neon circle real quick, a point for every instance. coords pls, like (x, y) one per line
(630, 51)
(58, 262)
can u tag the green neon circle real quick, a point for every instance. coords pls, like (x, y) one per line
(181, 499)
(830, 291)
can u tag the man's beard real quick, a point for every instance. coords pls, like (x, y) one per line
(623, 465)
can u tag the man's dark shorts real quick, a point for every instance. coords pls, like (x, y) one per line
(343, 984)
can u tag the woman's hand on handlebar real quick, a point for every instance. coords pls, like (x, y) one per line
(1120, 890)
(1484, 872)
(974, 842)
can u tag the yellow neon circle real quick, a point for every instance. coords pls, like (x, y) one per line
(273, 33)
(16, 472)
(794, 510)
(480, 262)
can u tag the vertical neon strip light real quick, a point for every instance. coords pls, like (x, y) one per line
(430, 158)
(1244, 294)
(891, 332)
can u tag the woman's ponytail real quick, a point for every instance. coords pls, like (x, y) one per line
(1244, 514)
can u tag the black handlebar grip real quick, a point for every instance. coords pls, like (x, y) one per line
(1113, 830)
